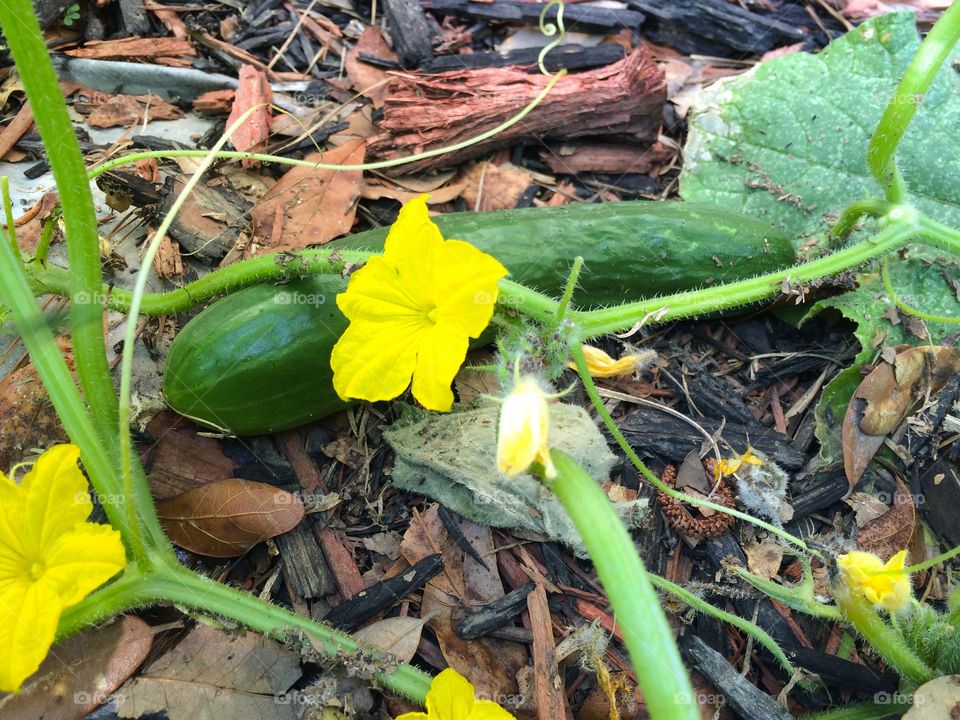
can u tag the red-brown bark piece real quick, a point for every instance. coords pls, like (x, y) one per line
(125, 110)
(15, 129)
(428, 111)
(610, 158)
(215, 102)
(253, 92)
(547, 683)
(309, 206)
(137, 48)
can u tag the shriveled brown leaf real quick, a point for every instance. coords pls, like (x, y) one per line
(495, 187)
(764, 557)
(126, 110)
(891, 532)
(885, 398)
(369, 80)
(228, 517)
(309, 206)
(217, 675)
(81, 673)
(397, 636)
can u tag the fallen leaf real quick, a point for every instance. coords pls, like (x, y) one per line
(369, 80)
(309, 206)
(764, 557)
(885, 398)
(891, 532)
(866, 507)
(493, 187)
(216, 675)
(127, 110)
(81, 673)
(228, 517)
(398, 636)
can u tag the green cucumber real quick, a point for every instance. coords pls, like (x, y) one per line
(258, 360)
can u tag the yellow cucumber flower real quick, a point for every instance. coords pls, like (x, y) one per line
(50, 558)
(524, 424)
(451, 698)
(602, 365)
(412, 312)
(729, 466)
(882, 584)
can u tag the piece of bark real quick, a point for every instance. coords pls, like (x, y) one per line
(574, 158)
(742, 696)
(352, 613)
(135, 47)
(15, 129)
(167, 263)
(304, 563)
(567, 57)
(412, 38)
(210, 220)
(428, 111)
(134, 17)
(253, 93)
(215, 102)
(714, 27)
(585, 18)
(484, 619)
(128, 110)
(340, 561)
(547, 683)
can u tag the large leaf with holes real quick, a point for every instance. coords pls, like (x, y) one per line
(787, 143)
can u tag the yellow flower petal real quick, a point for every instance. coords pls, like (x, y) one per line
(881, 584)
(523, 430)
(450, 697)
(29, 613)
(50, 558)
(412, 312)
(413, 716)
(57, 495)
(440, 354)
(81, 560)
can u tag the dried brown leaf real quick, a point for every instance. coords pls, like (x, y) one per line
(369, 80)
(398, 636)
(891, 532)
(81, 673)
(228, 517)
(309, 206)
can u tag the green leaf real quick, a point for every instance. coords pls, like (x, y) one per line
(787, 142)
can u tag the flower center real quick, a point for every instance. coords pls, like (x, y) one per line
(37, 570)
(432, 315)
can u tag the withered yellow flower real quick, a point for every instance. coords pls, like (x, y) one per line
(601, 365)
(524, 426)
(882, 584)
(729, 466)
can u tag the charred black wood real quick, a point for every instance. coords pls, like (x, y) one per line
(304, 563)
(817, 491)
(410, 31)
(136, 20)
(586, 18)
(713, 396)
(484, 619)
(259, 40)
(570, 57)
(837, 672)
(670, 439)
(714, 27)
(127, 186)
(787, 368)
(349, 615)
(451, 524)
(743, 697)
(940, 488)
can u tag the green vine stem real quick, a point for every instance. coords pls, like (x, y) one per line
(660, 670)
(906, 307)
(898, 704)
(174, 584)
(22, 32)
(747, 627)
(593, 323)
(933, 51)
(883, 638)
(871, 207)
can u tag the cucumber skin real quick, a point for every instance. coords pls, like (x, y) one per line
(258, 360)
